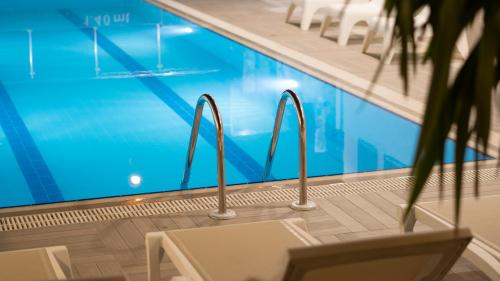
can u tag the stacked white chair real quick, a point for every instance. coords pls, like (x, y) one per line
(385, 26)
(382, 25)
(349, 15)
(309, 9)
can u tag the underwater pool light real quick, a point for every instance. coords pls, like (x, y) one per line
(135, 180)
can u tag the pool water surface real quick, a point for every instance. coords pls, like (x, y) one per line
(97, 100)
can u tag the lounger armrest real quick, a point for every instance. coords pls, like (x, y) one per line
(409, 224)
(298, 227)
(482, 255)
(59, 258)
(180, 278)
(299, 222)
(108, 278)
(157, 244)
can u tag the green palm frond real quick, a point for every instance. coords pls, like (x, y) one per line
(462, 102)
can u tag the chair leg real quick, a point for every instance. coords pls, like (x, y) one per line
(370, 35)
(289, 13)
(60, 254)
(154, 255)
(390, 55)
(324, 25)
(409, 223)
(345, 28)
(387, 48)
(307, 16)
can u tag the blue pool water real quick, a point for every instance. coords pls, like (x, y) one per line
(96, 94)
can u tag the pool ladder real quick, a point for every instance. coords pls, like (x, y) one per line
(222, 212)
(302, 204)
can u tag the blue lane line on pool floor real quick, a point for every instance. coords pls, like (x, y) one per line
(245, 163)
(41, 183)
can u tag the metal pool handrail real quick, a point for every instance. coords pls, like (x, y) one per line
(222, 211)
(302, 203)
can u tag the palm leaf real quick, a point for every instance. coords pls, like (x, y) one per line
(462, 102)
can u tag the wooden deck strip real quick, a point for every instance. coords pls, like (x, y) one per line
(341, 216)
(373, 210)
(380, 202)
(360, 215)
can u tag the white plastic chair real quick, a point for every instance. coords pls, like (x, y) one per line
(385, 26)
(309, 9)
(349, 15)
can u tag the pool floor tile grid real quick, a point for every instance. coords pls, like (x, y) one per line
(243, 199)
(245, 163)
(41, 183)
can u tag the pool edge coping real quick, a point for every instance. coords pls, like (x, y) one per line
(281, 195)
(209, 191)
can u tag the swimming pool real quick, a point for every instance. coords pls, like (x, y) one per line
(97, 100)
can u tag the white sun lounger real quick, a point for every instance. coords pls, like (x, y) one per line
(349, 15)
(50, 263)
(481, 215)
(283, 250)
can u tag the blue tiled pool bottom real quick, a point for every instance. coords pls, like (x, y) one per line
(97, 100)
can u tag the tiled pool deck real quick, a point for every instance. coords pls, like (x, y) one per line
(117, 246)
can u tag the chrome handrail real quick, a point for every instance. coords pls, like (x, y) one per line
(222, 211)
(302, 203)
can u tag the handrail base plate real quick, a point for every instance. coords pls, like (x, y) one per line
(229, 214)
(310, 205)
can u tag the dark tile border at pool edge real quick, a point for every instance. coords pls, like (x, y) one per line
(244, 187)
(37, 175)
